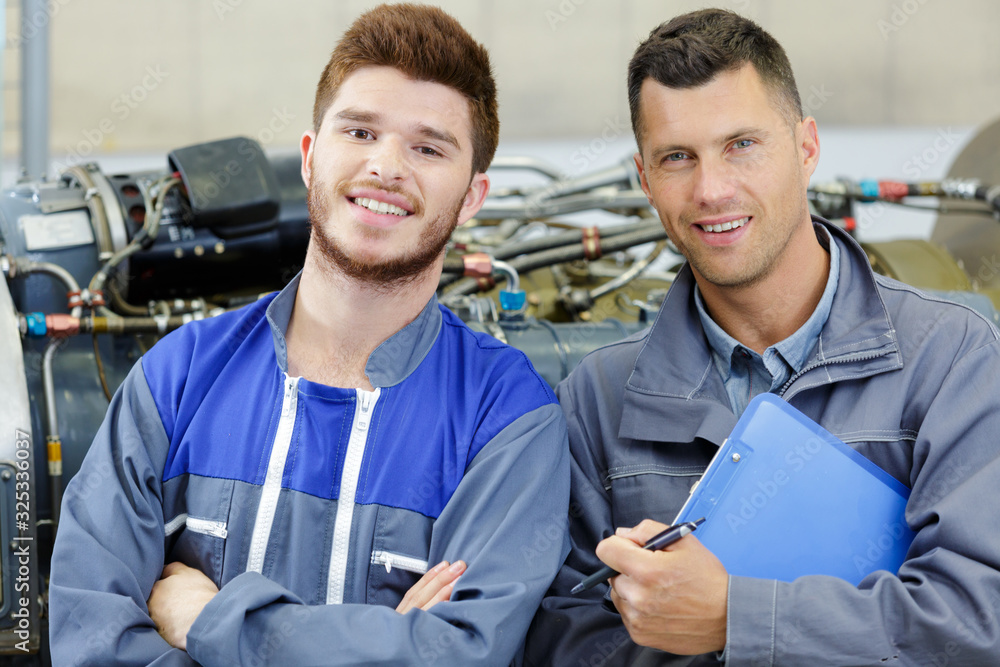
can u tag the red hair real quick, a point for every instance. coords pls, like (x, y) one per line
(425, 44)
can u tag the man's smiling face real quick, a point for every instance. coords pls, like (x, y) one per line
(727, 173)
(389, 175)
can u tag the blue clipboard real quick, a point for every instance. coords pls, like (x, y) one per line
(784, 498)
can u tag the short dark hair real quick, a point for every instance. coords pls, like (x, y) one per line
(690, 50)
(425, 44)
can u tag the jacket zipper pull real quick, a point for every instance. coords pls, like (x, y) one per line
(286, 403)
(365, 405)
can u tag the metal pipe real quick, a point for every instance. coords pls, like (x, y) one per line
(52, 438)
(526, 163)
(619, 200)
(633, 272)
(569, 253)
(35, 89)
(513, 281)
(98, 214)
(23, 265)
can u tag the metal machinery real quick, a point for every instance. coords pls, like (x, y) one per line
(98, 266)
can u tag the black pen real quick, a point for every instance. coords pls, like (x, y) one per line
(658, 541)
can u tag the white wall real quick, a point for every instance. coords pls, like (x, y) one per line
(890, 81)
(157, 74)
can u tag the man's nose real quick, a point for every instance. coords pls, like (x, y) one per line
(387, 161)
(713, 182)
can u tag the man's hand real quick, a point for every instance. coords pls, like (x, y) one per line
(436, 585)
(673, 600)
(177, 599)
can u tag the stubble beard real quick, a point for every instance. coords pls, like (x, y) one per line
(384, 274)
(759, 263)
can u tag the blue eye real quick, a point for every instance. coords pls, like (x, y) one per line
(675, 157)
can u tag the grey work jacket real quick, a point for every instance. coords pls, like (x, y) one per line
(909, 381)
(313, 508)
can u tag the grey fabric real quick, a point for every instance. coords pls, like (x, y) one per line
(486, 618)
(121, 523)
(906, 379)
(122, 632)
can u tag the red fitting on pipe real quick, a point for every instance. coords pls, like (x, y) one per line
(893, 190)
(591, 243)
(478, 265)
(61, 324)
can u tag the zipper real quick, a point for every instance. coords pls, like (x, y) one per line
(862, 356)
(207, 527)
(272, 481)
(399, 561)
(196, 525)
(341, 546)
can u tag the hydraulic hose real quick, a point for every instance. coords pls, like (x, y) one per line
(560, 255)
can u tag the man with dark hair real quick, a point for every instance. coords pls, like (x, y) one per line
(770, 300)
(299, 463)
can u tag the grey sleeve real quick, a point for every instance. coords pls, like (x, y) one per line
(943, 607)
(109, 549)
(586, 629)
(507, 520)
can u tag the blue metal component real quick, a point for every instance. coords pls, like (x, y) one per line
(869, 188)
(36, 324)
(512, 300)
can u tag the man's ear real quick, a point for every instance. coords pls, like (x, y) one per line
(475, 197)
(306, 145)
(808, 138)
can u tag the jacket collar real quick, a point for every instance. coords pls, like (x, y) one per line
(390, 363)
(674, 387)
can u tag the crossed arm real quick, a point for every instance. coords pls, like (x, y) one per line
(182, 592)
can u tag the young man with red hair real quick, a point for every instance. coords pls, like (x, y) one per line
(298, 464)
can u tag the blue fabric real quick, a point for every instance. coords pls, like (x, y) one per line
(745, 373)
(464, 458)
(430, 426)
